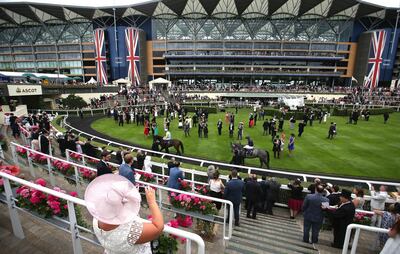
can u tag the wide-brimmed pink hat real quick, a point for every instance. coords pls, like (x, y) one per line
(112, 199)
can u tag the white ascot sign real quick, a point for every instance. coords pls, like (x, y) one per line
(24, 90)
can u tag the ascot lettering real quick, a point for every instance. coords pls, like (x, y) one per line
(27, 90)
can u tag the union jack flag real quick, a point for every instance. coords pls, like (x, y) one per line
(132, 40)
(100, 56)
(374, 63)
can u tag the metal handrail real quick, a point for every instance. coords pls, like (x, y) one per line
(192, 172)
(358, 228)
(247, 168)
(18, 231)
(159, 187)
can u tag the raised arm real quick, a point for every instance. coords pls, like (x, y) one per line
(152, 230)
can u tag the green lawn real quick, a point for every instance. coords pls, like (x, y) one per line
(369, 149)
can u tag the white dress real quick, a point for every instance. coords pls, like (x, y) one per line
(392, 246)
(122, 239)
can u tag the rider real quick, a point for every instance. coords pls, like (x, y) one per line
(250, 145)
(167, 136)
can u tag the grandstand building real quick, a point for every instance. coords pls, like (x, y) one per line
(247, 42)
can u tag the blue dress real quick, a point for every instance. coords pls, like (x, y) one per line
(291, 144)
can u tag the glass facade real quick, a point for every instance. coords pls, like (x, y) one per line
(52, 48)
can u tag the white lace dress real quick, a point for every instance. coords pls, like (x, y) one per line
(122, 239)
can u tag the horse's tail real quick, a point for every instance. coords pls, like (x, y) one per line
(267, 158)
(183, 151)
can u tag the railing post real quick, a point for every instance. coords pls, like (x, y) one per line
(191, 172)
(30, 163)
(51, 176)
(224, 225)
(1, 153)
(73, 228)
(14, 154)
(355, 241)
(188, 246)
(14, 217)
(67, 155)
(347, 239)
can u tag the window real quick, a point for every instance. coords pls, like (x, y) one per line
(88, 47)
(25, 65)
(70, 56)
(69, 48)
(47, 64)
(6, 66)
(24, 57)
(5, 58)
(77, 71)
(5, 50)
(45, 48)
(46, 56)
(68, 64)
(22, 49)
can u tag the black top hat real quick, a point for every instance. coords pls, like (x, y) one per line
(346, 194)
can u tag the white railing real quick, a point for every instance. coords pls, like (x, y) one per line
(163, 167)
(227, 205)
(226, 165)
(358, 228)
(72, 221)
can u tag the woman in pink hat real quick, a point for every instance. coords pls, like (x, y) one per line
(114, 203)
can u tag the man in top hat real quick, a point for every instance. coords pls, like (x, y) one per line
(342, 217)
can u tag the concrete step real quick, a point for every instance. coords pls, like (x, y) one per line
(272, 219)
(269, 231)
(276, 242)
(265, 224)
(238, 248)
(256, 246)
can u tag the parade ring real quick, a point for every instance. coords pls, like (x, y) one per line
(347, 155)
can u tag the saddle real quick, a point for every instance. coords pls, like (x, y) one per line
(248, 151)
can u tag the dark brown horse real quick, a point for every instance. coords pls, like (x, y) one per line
(164, 144)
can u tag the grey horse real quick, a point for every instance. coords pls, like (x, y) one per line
(256, 153)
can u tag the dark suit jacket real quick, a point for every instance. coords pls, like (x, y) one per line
(334, 199)
(253, 191)
(273, 189)
(312, 207)
(102, 168)
(234, 191)
(343, 217)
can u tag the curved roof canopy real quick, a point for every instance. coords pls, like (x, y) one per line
(34, 12)
(395, 4)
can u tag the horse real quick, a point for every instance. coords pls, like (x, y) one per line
(256, 153)
(164, 144)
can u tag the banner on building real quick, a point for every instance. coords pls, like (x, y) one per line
(101, 60)
(24, 90)
(378, 43)
(133, 56)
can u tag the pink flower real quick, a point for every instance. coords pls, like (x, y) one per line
(24, 193)
(41, 182)
(34, 199)
(183, 240)
(73, 193)
(150, 217)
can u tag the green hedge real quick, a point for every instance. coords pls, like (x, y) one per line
(372, 111)
(210, 110)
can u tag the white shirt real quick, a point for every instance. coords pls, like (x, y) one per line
(378, 200)
(216, 185)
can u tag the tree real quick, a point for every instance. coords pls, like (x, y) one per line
(74, 102)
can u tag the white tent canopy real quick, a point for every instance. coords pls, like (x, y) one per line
(37, 75)
(92, 81)
(159, 81)
(121, 81)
